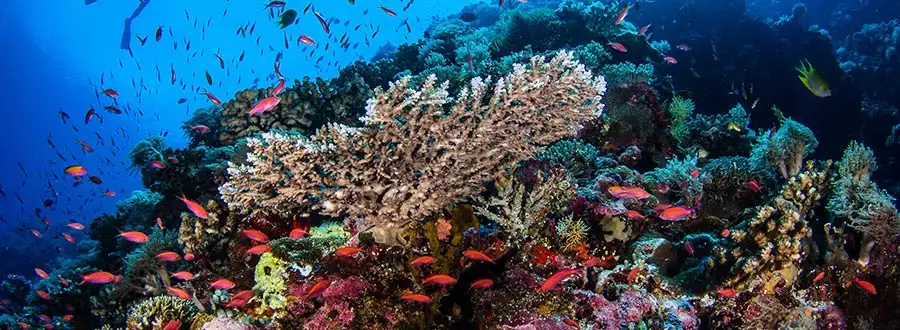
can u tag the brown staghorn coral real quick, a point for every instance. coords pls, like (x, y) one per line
(199, 235)
(417, 152)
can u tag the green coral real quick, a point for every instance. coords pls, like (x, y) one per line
(593, 55)
(680, 110)
(321, 241)
(621, 75)
(270, 275)
(682, 178)
(156, 312)
(138, 207)
(579, 160)
(150, 148)
(786, 149)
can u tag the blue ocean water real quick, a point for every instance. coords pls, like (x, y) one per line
(720, 54)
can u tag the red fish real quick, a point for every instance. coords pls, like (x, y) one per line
(726, 232)
(36, 233)
(628, 192)
(605, 262)
(239, 299)
(482, 284)
(134, 236)
(222, 284)
(633, 215)
(819, 277)
(416, 297)
(264, 105)
(100, 278)
(306, 40)
(259, 249)
(753, 185)
(194, 207)
(865, 285)
(390, 13)
(68, 238)
(157, 164)
(477, 256)
(423, 260)
(41, 273)
(618, 46)
(184, 276)
(111, 93)
(255, 235)
(440, 279)
(63, 281)
(676, 213)
(212, 98)
(683, 47)
(643, 30)
(279, 88)
(689, 247)
(670, 60)
(347, 251)
(200, 129)
(172, 325)
(189, 257)
(695, 173)
(75, 170)
(168, 256)
(557, 277)
(43, 294)
(318, 288)
(109, 193)
(622, 14)
(726, 293)
(75, 225)
(297, 233)
(68, 317)
(178, 293)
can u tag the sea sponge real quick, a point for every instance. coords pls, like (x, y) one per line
(156, 312)
(270, 275)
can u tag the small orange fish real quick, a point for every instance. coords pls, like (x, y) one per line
(68, 317)
(307, 40)
(68, 238)
(297, 233)
(819, 277)
(75, 225)
(100, 278)
(239, 299)
(189, 257)
(159, 223)
(255, 235)
(75, 170)
(194, 207)
(416, 297)
(318, 288)
(633, 215)
(477, 256)
(63, 281)
(43, 294)
(134, 236)
(168, 256)
(633, 274)
(264, 105)
(865, 285)
(259, 249)
(347, 251)
(184, 276)
(423, 260)
(726, 232)
(571, 323)
(726, 293)
(222, 284)
(676, 213)
(440, 279)
(41, 273)
(109, 193)
(178, 293)
(482, 284)
(618, 46)
(670, 60)
(622, 14)
(627, 192)
(172, 325)
(557, 277)
(36, 233)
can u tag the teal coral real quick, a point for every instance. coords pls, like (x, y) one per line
(786, 149)
(626, 74)
(148, 149)
(680, 177)
(138, 207)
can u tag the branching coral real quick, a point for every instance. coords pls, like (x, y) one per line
(138, 207)
(150, 148)
(521, 212)
(786, 149)
(142, 264)
(414, 155)
(156, 312)
(857, 199)
(571, 232)
(198, 235)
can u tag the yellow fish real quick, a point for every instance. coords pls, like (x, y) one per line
(813, 80)
(734, 127)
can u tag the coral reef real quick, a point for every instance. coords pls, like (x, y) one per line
(786, 149)
(156, 312)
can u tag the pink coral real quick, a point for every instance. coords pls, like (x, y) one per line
(443, 229)
(346, 289)
(331, 316)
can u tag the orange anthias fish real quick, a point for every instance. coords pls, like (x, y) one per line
(726, 293)
(618, 46)
(255, 235)
(676, 213)
(628, 192)
(297, 233)
(100, 278)
(416, 297)
(557, 277)
(318, 288)
(482, 284)
(239, 299)
(41, 273)
(477, 256)
(172, 325)
(168, 256)
(819, 277)
(622, 14)
(212, 98)
(259, 249)
(111, 93)
(347, 251)
(307, 40)
(189, 257)
(43, 294)
(440, 279)
(36, 233)
(75, 225)
(184, 276)
(278, 88)
(76, 170)
(195, 207)
(423, 260)
(865, 285)
(178, 293)
(134, 236)
(264, 105)
(68, 238)
(222, 284)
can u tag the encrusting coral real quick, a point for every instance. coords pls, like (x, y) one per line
(414, 155)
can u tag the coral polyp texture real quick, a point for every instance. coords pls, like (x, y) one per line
(540, 164)
(417, 151)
